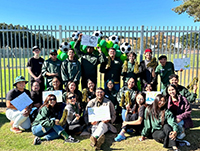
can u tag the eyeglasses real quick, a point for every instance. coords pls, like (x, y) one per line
(72, 97)
(52, 99)
(54, 54)
(36, 50)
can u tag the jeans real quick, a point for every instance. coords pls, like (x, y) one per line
(49, 133)
(18, 118)
(123, 114)
(180, 126)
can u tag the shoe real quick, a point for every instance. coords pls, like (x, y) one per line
(93, 141)
(119, 138)
(129, 131)
(181, 136)
(37, 141)
(71, 140)
(15, 130)
(100, 141)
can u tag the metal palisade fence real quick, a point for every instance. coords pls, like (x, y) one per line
(16, 43)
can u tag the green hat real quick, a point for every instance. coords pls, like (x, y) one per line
(19, 79)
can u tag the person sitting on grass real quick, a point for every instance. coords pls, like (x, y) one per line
(99, 128)
(73, 116)
(180, 108)
(134, 117)
(18, 119)
(160, 123)
(46, 126)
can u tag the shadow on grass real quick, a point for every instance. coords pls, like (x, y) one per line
(3, 119)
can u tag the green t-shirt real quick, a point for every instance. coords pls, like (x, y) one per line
(164, 73)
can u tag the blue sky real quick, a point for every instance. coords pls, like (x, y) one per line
(93, 13)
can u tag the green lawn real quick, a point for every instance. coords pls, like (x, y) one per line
(23, 141)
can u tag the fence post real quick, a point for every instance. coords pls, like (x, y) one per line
(141, 43)
(60, 34)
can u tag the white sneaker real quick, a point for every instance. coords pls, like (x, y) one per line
(181, 136)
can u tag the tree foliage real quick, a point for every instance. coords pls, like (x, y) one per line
(20, 36)
(191, 7)
(191, 40)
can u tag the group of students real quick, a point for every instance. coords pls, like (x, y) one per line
(164, 120)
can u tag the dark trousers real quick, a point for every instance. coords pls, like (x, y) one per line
(162, 136)
(133, 117)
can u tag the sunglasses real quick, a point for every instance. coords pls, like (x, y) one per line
(52, 99)
(72, 97)
(54, 54)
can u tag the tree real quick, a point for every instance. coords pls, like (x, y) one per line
(191, 7)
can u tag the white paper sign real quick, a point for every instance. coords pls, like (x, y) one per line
(57, 93)
(22, 101)
(150, 96)
(89, 40)
(99, 113)
(182, 63)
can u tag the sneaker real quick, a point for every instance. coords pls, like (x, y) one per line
(15, 130)
(93, 141)
(129, 131)
(100, 141)
(36, 141)
(70, 139)
(181, 136)
(119, 138)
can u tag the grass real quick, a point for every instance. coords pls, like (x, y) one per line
(23, 141)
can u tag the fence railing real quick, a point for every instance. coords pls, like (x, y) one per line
(16, 44)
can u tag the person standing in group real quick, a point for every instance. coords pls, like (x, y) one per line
(89, 62)
(18, 119)
(35, 66)
(128, 67)
(147, 71)
(51, 68)
(113, 69)
(164, 69)
(71, 69)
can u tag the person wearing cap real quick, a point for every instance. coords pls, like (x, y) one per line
(190, 96)
(51, 67)
(18, 119)
(113, 71)
(99, 128)
(71, 69)
(89, 62)
(164, 69)
(34, 66)
(147, 74)
(130, 67)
